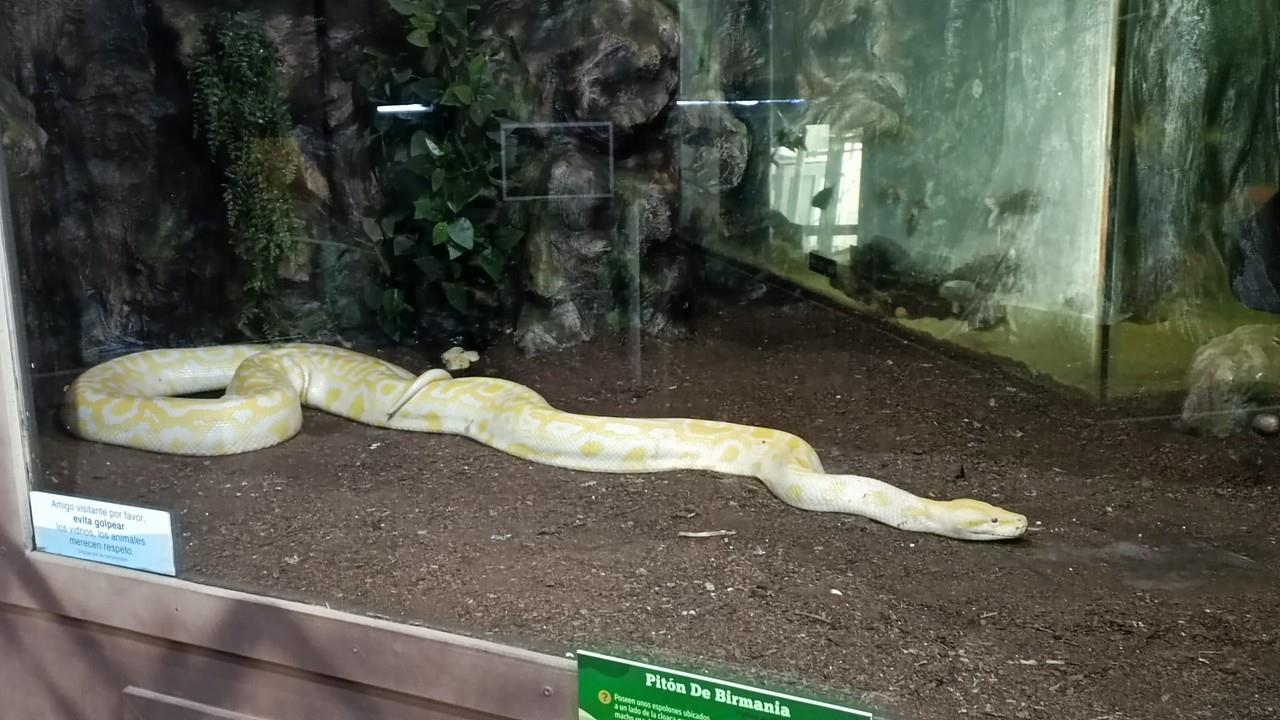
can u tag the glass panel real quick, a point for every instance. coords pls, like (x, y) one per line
(964, 199)
(1196, 254)
(674, 328)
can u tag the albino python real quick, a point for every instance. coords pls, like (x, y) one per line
(134, 401)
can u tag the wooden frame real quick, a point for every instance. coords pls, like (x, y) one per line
(77, 604)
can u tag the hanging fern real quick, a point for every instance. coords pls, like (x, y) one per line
(241, 114)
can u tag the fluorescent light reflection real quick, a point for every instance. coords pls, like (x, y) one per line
(744, 103)
(413, 108)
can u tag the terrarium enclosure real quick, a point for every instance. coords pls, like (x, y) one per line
(1024, 252)
(1054, 184)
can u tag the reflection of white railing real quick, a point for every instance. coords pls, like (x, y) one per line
(797, 176)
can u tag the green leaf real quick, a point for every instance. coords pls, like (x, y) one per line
(367, 76)
(492, 262)
(421, 166)
(390, 326)
(463, 93)
(431, 268)
(404, 7)
(373, 295)
(455, 252)
(457, 18)
(426, 90)
(418, 143)
(402, 245)
(437, 179)
(431, 59)
(371, 229)
(421, 144)
(462, 232)
(456, 294)
(507, 238)
(419, 37)
(426, 208)
(424, 21)
(458, 95)
(440, 234)
(478, 115)
(388, 224)
(476, 66)
(393, 301)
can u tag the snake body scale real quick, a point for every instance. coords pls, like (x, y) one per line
(141, 401)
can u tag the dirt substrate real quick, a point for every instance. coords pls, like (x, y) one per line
(1147, 589)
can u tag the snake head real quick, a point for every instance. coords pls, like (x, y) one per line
(977, 520)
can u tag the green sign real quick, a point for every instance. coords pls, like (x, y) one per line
(610, 688)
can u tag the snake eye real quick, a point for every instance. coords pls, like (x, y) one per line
(995, 520)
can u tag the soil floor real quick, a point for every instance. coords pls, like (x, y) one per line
(1149, 586)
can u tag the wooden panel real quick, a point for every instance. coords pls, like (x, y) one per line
(140, 704)
(52, 667)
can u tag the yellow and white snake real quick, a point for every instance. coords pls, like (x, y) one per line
(136, 401)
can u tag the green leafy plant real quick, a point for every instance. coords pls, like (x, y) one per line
(442, 230)
(241, 114)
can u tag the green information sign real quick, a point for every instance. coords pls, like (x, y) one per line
(611, 688)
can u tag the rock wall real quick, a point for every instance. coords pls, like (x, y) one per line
(119, 224)
(105, 222)
(610, 62)
(604, 263)
(117, 214)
